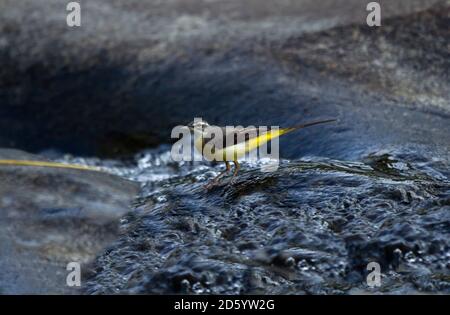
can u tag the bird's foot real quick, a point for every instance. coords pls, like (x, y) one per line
(213, 183)
(232, 181)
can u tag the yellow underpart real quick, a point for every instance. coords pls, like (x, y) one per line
(237, 151)
(48, 164)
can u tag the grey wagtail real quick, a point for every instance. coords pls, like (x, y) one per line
(236, 143)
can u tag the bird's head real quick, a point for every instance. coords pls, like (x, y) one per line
(198, 125)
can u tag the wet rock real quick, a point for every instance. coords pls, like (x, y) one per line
(50, 217)
(392, 59)
(310, 227)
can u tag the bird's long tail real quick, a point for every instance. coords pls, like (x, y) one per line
(272, 134)
(289, 129)
(48, 164)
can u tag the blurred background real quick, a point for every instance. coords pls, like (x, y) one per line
(135, 69)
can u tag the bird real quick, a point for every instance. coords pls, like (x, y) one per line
(235, 143)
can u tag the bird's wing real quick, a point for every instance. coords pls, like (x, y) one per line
(233, 136)
(230, 137)
(230, 141)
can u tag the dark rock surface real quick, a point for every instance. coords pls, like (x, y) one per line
(138, 68)
(50, 217)
(311, 227)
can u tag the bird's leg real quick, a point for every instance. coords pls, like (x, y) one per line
(214, 181)
(237, 167)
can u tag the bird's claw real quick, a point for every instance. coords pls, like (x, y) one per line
(211, 184)
(232, 181)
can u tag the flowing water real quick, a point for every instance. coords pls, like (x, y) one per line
(310, 227)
